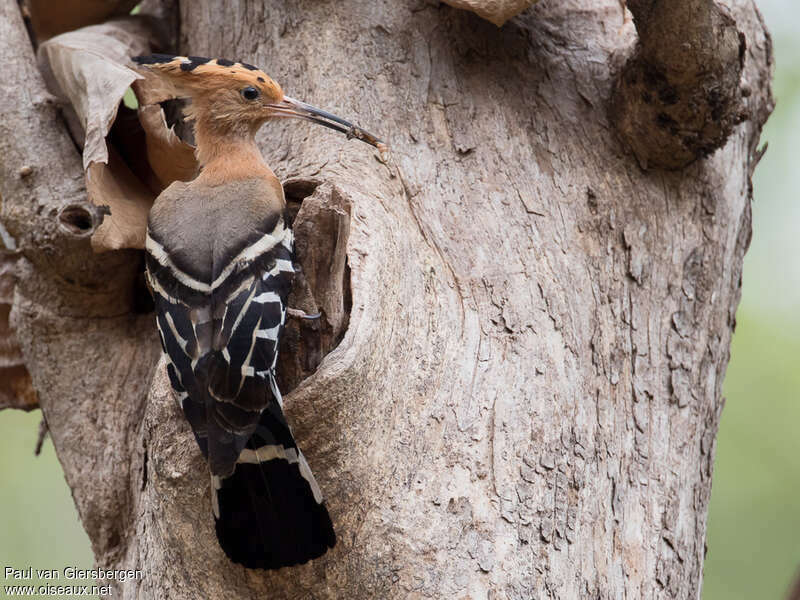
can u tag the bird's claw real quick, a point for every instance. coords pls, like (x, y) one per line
(301, 314)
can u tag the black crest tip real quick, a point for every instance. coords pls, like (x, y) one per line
(152, 59)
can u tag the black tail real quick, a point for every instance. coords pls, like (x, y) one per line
(269, 512)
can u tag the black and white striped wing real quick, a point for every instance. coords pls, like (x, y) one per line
(222, 343)
(221, 339)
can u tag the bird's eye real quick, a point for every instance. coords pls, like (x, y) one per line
(250, 93)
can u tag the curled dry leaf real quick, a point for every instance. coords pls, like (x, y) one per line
(87, 69)
(152, 89)
(496, 11)
(50, 18)
(115, 186)
(170, 158)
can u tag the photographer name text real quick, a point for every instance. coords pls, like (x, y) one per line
(72, 573)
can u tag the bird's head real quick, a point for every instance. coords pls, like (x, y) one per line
(235, 97)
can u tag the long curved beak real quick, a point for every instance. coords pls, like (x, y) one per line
(291, 108)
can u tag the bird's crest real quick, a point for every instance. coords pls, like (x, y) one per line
(192, 76)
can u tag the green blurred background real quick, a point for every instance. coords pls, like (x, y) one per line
(754, 521)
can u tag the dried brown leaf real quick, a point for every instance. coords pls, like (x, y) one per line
(88, 70)
(115, 186)
(170, 158)
(152, 89)
(496, 11)
(50, 18)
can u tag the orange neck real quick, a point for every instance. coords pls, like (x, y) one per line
(226, 156)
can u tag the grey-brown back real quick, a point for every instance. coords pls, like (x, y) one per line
(203, 228)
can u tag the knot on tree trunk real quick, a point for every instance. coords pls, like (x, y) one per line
(678, 97)
(81, 219)
(319, 214)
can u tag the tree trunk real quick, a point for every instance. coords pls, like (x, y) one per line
(527, 341)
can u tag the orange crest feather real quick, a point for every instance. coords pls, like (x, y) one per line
(191, 76)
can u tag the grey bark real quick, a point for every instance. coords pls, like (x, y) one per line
(525, 347)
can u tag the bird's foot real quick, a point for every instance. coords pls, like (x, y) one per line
(301, 314)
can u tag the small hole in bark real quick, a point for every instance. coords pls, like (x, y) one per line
(76, 219)
(297, 190)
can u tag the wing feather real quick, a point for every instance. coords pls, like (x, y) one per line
(222, 346)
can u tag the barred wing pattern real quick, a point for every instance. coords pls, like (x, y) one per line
(221, 333)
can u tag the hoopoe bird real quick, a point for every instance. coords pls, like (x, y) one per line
(220, 262)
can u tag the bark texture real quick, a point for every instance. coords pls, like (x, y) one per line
(16, 388)
(678, 98)
(524, 336)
